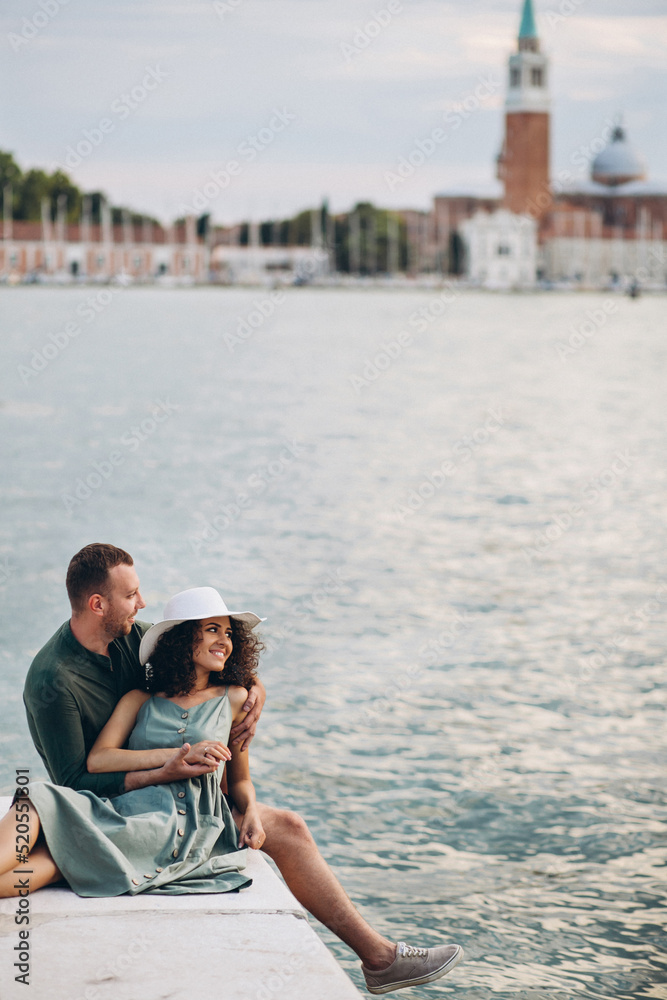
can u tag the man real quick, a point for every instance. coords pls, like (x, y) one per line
(72, 688)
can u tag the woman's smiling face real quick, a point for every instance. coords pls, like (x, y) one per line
(214, 646)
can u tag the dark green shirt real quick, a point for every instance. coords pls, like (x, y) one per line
(69, 695)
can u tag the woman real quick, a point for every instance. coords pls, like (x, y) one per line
(175, 835)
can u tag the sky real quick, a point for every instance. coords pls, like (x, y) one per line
(262, 108)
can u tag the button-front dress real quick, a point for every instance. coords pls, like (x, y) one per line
(175, 838)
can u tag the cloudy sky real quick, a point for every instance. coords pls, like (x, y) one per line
(290, 101)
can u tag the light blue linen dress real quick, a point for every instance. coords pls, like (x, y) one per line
(173, 839)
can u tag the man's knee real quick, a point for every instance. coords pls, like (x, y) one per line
(288, 825)
(294, 824)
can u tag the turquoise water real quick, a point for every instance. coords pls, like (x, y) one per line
(451, 508)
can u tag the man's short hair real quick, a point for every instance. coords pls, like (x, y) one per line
(88, 572)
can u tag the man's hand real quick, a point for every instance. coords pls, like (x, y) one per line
(208, 751)
(244, 731)
(251, 833)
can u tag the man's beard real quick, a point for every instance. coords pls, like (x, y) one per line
(115, 625)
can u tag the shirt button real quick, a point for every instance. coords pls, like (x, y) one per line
(181, 795)
(180, 730)
(185, 715)
(135, 881)
(158, 869)
(174, 854)
(181, 832)
(181, 812)
(149, 876)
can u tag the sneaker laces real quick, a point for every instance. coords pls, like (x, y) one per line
(408, 951)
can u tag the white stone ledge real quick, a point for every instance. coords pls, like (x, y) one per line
(256, 944)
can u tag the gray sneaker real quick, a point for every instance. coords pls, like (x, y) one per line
(412, 967)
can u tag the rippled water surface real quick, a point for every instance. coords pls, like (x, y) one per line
(459, 543)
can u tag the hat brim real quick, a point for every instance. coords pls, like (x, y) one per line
(150, 638)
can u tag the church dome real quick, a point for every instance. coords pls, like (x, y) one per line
(618, 163)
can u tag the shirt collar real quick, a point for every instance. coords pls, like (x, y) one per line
(84, 655)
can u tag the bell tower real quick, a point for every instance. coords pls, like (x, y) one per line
(523, 165)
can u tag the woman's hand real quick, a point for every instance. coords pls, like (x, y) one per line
(208, 752)
(177, 768)
(251, 833)
(244, 731)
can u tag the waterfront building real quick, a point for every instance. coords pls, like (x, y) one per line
(139, 253)
(255, 264)
(610, 229)
(493, 241)
(606, 231)
(501, 249)
(523, 163)
(64, 252)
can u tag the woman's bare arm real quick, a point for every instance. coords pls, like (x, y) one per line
(107, 753)
(146, 767)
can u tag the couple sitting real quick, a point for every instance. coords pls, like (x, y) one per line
(135, 756)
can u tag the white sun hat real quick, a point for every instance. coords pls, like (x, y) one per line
(191, 605)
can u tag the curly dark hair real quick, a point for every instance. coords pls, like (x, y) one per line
(171, 668)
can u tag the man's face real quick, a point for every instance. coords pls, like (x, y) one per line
(123, 601)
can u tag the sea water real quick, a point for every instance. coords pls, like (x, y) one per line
(450, 506)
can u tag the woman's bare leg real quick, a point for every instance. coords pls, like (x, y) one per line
(39, 869)
(19, 830)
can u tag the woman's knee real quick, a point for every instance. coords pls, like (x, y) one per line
(42, 871)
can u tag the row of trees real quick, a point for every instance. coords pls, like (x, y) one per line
(30, 187)
(366, 240)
